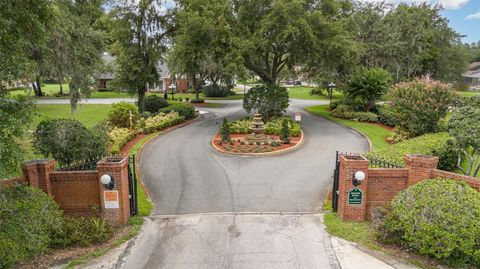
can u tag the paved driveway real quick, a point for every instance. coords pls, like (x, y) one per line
(261, 212)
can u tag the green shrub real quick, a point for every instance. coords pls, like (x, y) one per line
(352, 104)
(343, 111)
(269, 101)
(437, 144)
(418, 105)
(397, 135)
(185, 110)
(365, 117)
(385, 115)
(119, 115)
(118, 137)
(213, 90)
(197, 101)
(437, 217)
(274, 126)
(368, 85)
(81, 231)
(67, 141)
(225, 131)
(285, 132)
(161, 121)
(241, 126)
(318, 91)
(153, 103)
(28, 218)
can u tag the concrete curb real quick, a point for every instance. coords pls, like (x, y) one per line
(262, 154)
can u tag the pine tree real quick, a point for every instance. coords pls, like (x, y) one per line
(285, 132)
(225, 131)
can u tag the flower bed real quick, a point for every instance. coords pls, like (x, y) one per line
(239, 144)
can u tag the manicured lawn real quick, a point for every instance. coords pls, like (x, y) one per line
(375, 133)
(88, 115)
(50, 90)
(303, 92)
(467, 94)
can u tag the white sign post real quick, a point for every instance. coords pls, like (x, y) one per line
(298, 116)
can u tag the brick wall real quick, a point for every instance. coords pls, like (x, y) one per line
(382, 184)
(77, 192)
(81, 192)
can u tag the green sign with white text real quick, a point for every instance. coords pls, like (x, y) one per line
(355, 197)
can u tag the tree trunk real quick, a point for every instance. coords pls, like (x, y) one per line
(39, 92)
(197, 94)
(141, 99)
(61, 86)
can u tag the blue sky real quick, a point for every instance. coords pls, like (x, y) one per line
(466, 20)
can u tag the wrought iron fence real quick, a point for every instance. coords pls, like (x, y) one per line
(81, 166)
(378, 162)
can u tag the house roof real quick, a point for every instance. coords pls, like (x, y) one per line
(109, 62)
(473, 71)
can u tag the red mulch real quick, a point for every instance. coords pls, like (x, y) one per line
(238, 148)
(127, 147)
(384, 126)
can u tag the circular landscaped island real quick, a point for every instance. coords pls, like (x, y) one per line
(253, 136)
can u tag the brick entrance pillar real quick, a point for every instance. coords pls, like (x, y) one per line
(38, 172)
(114, 212)
(349, 165)
(420, 167)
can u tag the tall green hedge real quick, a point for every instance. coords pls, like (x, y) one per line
(438, 217)
(436, 144)
(28, 219)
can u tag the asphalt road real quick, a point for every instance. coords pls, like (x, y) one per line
(221, 211)
(185, 175)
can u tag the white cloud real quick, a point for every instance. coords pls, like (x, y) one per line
(447, 4)
(474, 16)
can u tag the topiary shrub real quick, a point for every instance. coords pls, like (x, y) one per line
(225, 131)
(214, 90)
(67, 141)
(439, 218)
(285, 132)
(28, 218)
(119, 115)
(153, 103)
(184, 110)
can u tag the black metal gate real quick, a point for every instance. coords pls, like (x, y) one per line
(335, 183)
(132, 186)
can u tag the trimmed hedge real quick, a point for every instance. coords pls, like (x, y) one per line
(437, 144)
(118, 137)
(437, 217)
(153, 103)
(162, 121)
(216, 91)
(185, 110)
(346, 112)
(28, 219)
(272, 127)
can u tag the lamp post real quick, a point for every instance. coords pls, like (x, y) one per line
(358, 177)
(107, 181)
(172, 88)
(331, 86)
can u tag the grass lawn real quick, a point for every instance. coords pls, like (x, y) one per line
(50, 90)
(88, 115)
(303, 92)
(467, 94)
(237, 96)
(375, 133)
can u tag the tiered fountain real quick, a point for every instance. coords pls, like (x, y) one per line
(257, 127)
